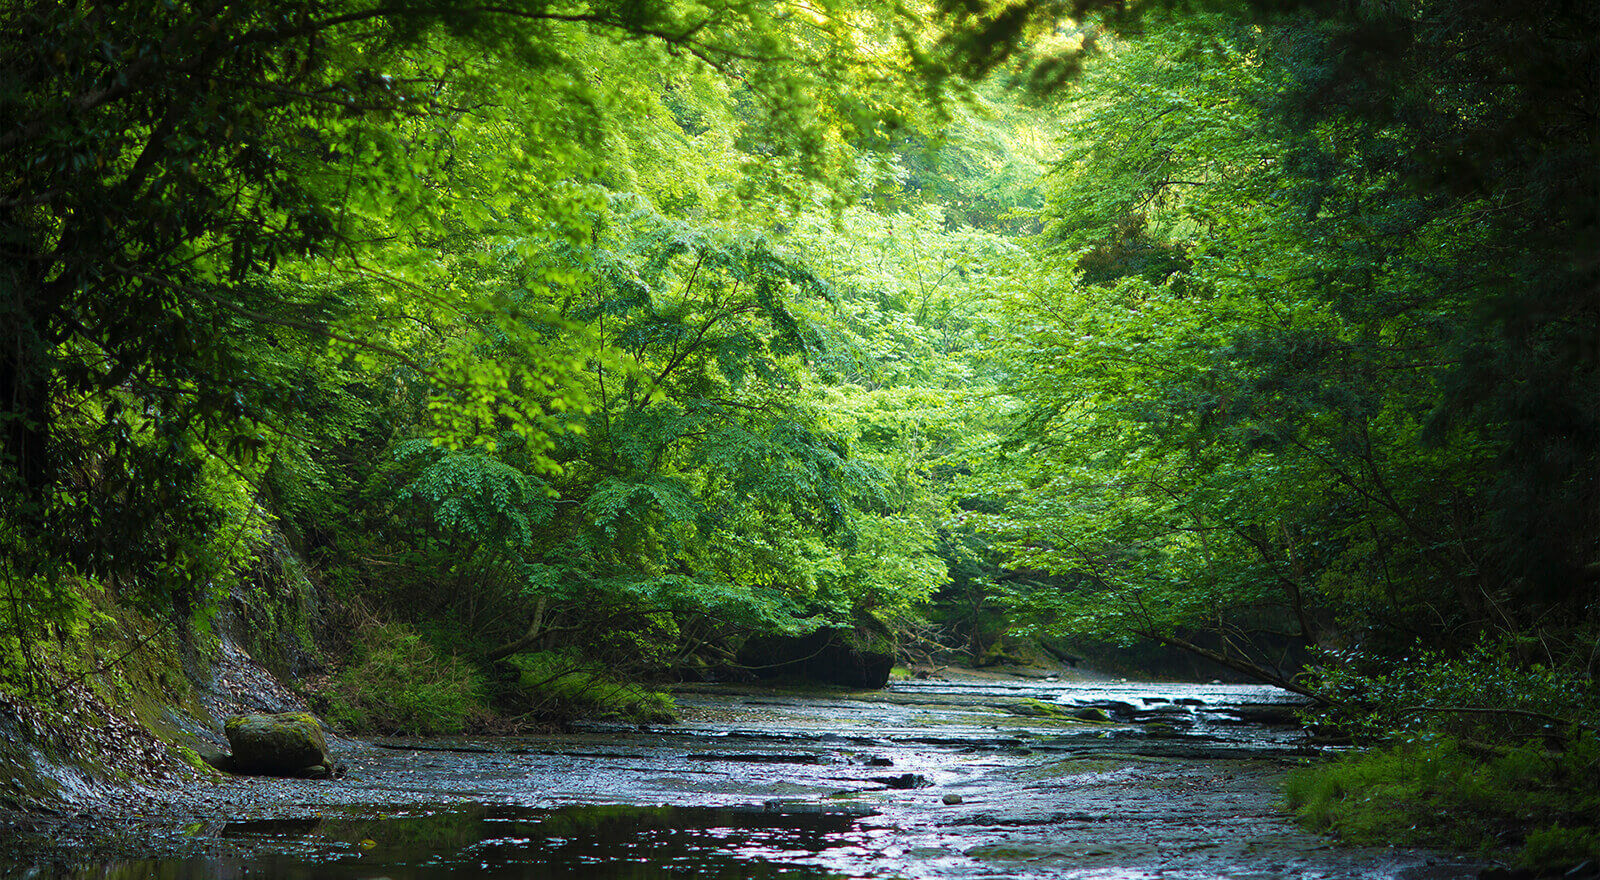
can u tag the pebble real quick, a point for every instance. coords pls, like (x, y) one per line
(952, 799)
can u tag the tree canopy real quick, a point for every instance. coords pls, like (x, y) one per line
(548, 338)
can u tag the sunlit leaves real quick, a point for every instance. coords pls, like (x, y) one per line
(1238, 372)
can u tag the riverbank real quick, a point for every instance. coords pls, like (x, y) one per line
(969, 776)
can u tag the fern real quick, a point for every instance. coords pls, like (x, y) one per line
(475, 495)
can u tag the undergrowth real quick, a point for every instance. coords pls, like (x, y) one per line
(1450, 794)
(560, 686)
(398, 682)
(1478, 753)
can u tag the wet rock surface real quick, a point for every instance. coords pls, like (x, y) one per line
(831, 656)
(282, 744)
(771, 782)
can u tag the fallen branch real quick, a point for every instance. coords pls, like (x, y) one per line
(1241, 664)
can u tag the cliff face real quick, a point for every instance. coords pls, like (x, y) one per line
(79, 752)
(136, 704)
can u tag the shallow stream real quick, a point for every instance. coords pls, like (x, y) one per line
(976, 777)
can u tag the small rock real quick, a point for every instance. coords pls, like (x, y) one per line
(904, 780)
(951, 799)
(1034, 709)
(1091, 713)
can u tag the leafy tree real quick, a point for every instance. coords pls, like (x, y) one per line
(703, 497)
(214, 214)
(1246, 403)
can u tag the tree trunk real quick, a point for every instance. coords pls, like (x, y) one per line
(535, 629)
(25, 420)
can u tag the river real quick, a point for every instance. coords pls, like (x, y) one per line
(973, 777)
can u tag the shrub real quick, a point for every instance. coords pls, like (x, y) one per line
(398, 683)
(1485, 694)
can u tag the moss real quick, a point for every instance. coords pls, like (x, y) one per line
(193, 759)
(1031, 708)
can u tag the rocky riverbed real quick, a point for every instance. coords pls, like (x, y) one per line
(997, 776)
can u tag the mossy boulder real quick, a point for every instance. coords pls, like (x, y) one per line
(285, 744)
(1036, 709)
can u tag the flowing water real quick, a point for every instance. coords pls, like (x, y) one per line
(966, 778)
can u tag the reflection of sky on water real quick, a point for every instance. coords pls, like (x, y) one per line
(772, 783)
(514, 843)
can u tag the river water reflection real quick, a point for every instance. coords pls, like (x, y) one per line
(514, 843)
(973, 777)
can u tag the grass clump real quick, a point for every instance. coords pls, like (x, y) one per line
(560, 686)
(397, 682)
(1445, 792)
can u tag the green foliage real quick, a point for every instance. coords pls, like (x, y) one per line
(557, 685)
(1301, 365)
(397, 681)
(475, 496)
(1239, 373)
(705, 494)
(1557, 846)
(218, 227)
(911, 294)
(1444, 793)
(1489, 694)
(469, 303)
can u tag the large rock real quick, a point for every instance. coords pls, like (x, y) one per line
(831, 656)
(287, 744)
